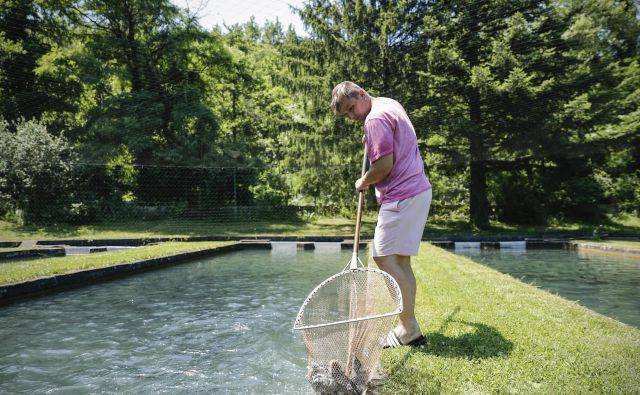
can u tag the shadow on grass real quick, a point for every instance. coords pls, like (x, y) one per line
(482, 342)
(127, 228)
(27, 231)
(167, 227)
(619, 224)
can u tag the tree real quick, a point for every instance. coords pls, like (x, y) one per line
(29, 30)
(525, 85)
(151, 63)
(37, 172)
(360, 41)
(601, 115)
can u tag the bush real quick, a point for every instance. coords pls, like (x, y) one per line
(517, 200)
(577, 199)
(36, 172)
(271, 189)
(623, 190)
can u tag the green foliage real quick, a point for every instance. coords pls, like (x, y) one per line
(130, 119)
(270, 191)
(525, 110)
(576, 198)
(147, 66)
(36, 172)
(623, 191)
(518, 199)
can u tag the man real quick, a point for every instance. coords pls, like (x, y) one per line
(402, 190)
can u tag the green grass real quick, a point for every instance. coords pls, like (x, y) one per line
(619, 244)
(489, 333)
(311, 226)
(170, 228)
(12, 249)
(18, 271)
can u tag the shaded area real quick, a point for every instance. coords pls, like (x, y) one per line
(483, 341)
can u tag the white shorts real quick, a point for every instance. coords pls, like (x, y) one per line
(400, 225)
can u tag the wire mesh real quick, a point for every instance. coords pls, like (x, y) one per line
(344, 322)
(208, 200)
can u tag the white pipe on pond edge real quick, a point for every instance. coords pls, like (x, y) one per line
(462, 245)
(519, 245)
(327, 247)
(284, 247)
(69, 250)
(84, 250)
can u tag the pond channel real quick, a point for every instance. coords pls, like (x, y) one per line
(603, 282)
(218, 325)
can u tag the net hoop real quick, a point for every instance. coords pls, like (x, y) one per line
(297, 325)
(347, 321)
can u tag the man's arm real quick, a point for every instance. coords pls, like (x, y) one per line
(378, 171)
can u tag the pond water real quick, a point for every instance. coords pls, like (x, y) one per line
(218, 325)
(606, 283)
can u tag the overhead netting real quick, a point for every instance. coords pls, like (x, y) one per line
(344, 322)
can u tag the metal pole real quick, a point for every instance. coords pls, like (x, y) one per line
(235, 195)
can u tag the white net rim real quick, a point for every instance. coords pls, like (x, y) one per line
(299, 328)
(393, 281)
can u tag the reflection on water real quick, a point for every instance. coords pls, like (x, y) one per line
(606, 283)
(218, 325)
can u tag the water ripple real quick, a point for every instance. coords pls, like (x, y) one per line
(218, 325)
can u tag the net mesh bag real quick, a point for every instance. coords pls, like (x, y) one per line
(344, 322)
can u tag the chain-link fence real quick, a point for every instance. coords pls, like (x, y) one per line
(178, 199)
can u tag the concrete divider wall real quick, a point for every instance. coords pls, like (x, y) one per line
(36, 253)
(13, 292)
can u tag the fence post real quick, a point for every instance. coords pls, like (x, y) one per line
(235, 195)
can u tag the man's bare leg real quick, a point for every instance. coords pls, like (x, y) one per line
(399, 267)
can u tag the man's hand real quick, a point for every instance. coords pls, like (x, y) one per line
(361, 186)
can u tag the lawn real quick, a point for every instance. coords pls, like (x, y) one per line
(308, 226)
(490, 333)
(181, 228)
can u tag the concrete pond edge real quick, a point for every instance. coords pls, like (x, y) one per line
(49, 248)
(16, 291)
(13, 292)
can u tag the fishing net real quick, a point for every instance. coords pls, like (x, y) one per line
(344, 322)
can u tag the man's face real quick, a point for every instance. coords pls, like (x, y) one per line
(356, 109)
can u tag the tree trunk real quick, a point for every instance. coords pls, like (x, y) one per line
(478, 187)
(134, 56)
(19, 83)
(479, 209)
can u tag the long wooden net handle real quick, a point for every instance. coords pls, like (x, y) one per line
(356, 238)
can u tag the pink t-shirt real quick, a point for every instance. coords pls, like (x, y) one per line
(387, 130)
